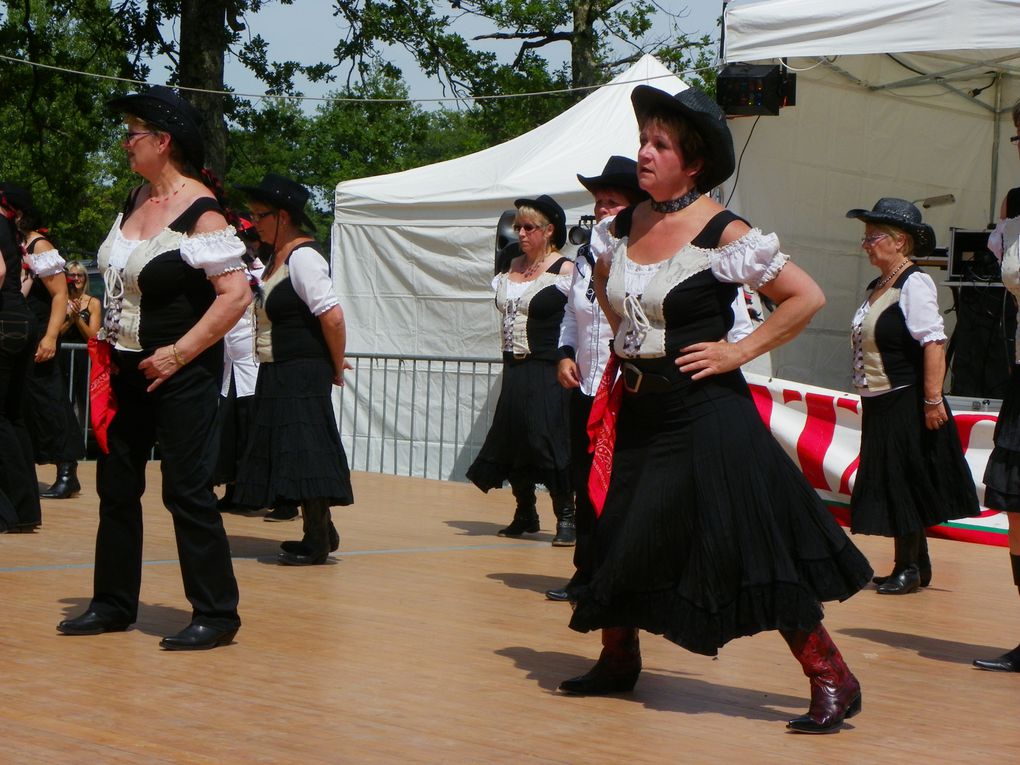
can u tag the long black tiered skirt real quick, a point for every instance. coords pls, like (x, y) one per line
(528, 440)
(56, 434)
(909, 477)
(1002, 473)
(295, 451)
(710, 532)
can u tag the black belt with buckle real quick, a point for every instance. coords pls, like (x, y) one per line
(638, 382)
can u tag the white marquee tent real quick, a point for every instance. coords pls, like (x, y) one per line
(908, 98)
(413, 261)
(413, 251)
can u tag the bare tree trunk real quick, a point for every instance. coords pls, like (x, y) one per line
(204, 40)
(583, 46)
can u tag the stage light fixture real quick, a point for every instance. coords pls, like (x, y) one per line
(750, 89)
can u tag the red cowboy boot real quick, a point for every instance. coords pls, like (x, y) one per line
(835, 692)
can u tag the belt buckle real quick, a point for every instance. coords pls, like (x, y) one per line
(627, 367)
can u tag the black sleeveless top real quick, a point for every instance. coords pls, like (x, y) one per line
(294, 332)
(174, 295)
(12, 260)
(699, 309)
(902, 356)
(544, 316)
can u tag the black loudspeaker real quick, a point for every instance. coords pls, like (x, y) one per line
(981, 349)
(507, 245)
(749, 89)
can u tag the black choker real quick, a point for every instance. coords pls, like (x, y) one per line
(675, 205)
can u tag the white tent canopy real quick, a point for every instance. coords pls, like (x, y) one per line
(761, 29)
(413, 251)
(907, 99)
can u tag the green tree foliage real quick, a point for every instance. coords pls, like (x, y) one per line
(63, 144)
(55, 127)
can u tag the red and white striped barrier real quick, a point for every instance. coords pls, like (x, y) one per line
(821, 431)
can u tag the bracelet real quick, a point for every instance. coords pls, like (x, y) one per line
(180, 359)
(936, 402)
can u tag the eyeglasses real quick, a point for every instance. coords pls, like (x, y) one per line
(131, 135)
(870, 240)
(258, 216)
(527, 227)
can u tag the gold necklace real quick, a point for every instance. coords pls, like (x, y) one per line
(889, 278)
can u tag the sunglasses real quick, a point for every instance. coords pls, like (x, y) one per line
(131, 135)
(1014, 138)
(870, 240)
(526, 227)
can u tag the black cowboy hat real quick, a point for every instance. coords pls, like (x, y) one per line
(619, 173)
(901, 214)
(705, 116)
(551, 209)
(284, 194)
(164, 108)
(19, 198)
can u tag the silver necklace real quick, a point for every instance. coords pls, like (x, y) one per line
(675, 205)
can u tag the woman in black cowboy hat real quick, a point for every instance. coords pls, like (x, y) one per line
(18, 332)
(708, 531)
(57, 438)
(527, 442)
(584, 345)
(295, 455)
(1002, 473)
(912, 472)
(175, 285)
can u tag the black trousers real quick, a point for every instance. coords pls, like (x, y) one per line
(580, 467)
(180, 415)
(18, 335)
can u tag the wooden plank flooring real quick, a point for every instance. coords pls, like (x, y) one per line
(428, 640)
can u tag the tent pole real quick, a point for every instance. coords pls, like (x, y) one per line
(993, 215)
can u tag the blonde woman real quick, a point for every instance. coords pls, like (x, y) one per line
(84, 311)
(528, 441)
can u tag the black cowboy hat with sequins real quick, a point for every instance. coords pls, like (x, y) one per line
(705, 116)
(166, 110)
(901, 214)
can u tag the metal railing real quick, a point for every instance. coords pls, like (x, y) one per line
(419, 416)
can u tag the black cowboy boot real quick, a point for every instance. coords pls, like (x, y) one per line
(313, 549)
(66, 485)
(1009, 661)
(525, 516)
(617, 669)
(566, 532)
(905, 577)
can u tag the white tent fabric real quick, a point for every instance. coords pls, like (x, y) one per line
(886, 106)
(413, 251)
(760, 29)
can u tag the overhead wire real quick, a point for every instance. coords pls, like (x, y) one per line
(349, 99)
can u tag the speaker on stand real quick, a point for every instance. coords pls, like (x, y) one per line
(981, 350)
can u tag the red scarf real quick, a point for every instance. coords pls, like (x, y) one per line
(602, 432)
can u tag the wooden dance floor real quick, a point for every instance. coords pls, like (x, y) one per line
(428, 640)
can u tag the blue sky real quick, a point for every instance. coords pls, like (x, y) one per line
(307, 32)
